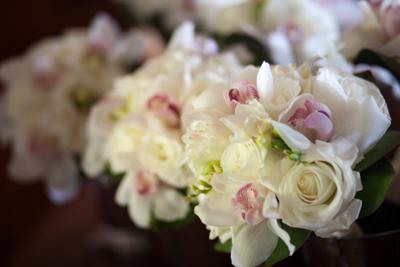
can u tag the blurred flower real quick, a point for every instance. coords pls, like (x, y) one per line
(49, 92)
(136, 127)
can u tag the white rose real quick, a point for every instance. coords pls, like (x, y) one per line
(320, 196)
(242, 158)
(123, 142)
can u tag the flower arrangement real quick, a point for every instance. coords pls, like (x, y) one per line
(281, 151)
(135, 130)
(49, 92)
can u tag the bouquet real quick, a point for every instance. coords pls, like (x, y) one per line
(135, 130)
(281, 151)
(49, 92)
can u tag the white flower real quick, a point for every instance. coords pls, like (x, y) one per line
(225, 17)
(136, 128)
(144, 193)
(378, 32)
(319, 196)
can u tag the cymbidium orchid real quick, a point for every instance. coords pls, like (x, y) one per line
(379, 30)
(136, 130)
(49, 92)
(275, 146)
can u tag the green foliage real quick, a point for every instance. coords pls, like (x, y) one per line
(369, 57)
(112, 176)
(161, 226)
(375, 180)
(297, 238)
(366, 75)
(224, 247)
(389, 141)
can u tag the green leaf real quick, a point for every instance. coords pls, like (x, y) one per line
(224, 247)
(366, 75)
(375, 180)
(112, 176)
(372, 58)
(255, 47)
(389, 141)
(297, 237)
(161, 226)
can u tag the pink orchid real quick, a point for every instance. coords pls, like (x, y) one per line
(316, 117)
(391, 21)
(245, 205)
(165, 107)
(145, 183)
(40, 147)
(292, 31)
(242, 92)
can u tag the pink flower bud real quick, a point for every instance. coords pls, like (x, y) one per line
(145, 182)
(390, 21)
(165, 107)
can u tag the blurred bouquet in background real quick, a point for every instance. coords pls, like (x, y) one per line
(135, 130)
(49, 92)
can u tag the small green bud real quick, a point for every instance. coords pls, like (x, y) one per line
(264, 140)
(275, 132)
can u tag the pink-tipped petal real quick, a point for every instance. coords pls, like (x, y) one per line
(145, 183)
(245, 205)
(165, 107)
(320, 123)
(391, 22)
(316, 117)
(241, 92)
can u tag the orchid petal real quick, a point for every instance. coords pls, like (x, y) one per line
(139, 210)
(292, 138)
(253, 244)
(274, 226)
(216, 210)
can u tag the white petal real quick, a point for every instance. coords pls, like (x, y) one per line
(182, 37)
(139, 209)
(213, 98)
(273, 224)
(339, 148)
(249, 74)
(170, 205)
(123, 190)
(253, 244)
(292, 138)
(265, 84)
(280, 48)
(366, 124)
(223, 184)
(343, 220)
(216, 210)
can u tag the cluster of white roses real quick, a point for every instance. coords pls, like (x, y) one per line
(136, 127)
(49, 92)
(279, 144)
